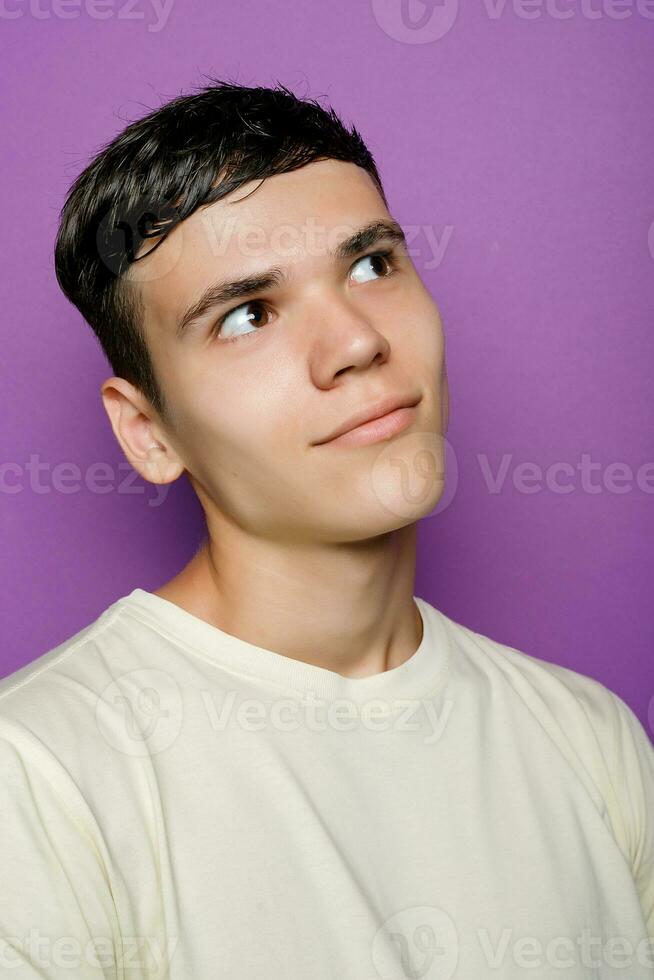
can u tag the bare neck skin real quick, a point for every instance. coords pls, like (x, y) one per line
(348, 608)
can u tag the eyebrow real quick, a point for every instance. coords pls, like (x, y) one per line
(224, 291)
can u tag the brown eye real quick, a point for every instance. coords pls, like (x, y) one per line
(381, 265)
(231, 325)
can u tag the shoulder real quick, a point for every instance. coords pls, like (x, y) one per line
(592, 727)
(49, 707)
(577, 702)
(50, 667)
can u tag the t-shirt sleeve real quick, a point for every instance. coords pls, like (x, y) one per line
(57, 916)
(633, 775)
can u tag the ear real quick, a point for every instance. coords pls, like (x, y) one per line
(139, 433)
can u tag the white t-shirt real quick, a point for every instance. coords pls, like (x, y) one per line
(177, 802)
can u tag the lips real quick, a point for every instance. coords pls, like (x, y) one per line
(374, 410)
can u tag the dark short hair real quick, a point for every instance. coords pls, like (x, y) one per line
(189, 152)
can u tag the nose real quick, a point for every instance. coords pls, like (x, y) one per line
(345, 340)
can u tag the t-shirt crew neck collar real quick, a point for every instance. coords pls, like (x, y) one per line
(418, 677)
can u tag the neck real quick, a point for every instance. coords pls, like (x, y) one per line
(347, 607)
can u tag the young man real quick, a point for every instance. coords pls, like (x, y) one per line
(282, 763)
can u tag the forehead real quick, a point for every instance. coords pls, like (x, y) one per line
(291, 219)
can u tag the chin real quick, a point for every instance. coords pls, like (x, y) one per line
(369, 526)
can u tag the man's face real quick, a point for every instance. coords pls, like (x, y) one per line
(294, 361)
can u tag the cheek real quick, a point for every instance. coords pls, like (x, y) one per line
(247, 421)
(422, 337)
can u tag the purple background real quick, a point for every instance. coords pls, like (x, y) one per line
(530, 138)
